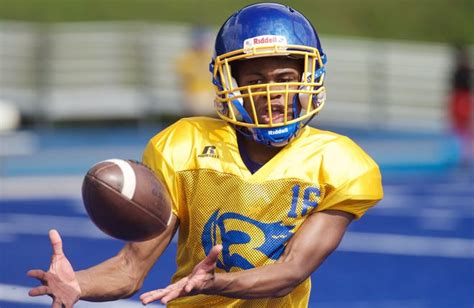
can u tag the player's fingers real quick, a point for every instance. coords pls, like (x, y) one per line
(189, 286)
(36, 273)
(211, 258)
(38, 291)
(146, 295)
(56, 242)
(57, 304)
(152, 296)
(172, 295)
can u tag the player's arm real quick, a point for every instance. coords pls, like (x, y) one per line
(123, 275)
(316, 239)
(118, 277)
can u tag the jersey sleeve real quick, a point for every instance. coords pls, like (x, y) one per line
(154, 159)
(353, 179)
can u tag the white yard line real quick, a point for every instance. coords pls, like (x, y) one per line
(383, 243)
(407, 245)
(40, 187)
(19, 294)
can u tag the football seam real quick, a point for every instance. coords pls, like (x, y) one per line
(131, 200)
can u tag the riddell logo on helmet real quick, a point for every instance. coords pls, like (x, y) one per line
(265, 40)
(278, 131)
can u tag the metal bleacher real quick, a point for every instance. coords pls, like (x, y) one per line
(73, 71)
(390, 84)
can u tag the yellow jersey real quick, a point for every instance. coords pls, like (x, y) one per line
(253, 215)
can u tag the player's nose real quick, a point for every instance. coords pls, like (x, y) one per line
(277, 96)
(276, 90)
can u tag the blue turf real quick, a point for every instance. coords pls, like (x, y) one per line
(346, 279)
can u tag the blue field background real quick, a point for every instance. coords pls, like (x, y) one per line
(415, 249)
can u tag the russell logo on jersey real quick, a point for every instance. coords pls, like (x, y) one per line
(209, 151)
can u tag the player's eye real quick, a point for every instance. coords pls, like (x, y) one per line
(287, 79)
(255, 81)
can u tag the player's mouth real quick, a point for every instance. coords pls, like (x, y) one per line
(277, 114)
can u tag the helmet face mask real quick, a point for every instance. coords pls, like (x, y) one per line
(266, 37)
(269, 99)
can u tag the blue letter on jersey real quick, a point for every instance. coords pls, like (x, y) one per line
(276, 235)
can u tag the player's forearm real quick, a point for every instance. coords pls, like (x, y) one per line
(273, 280)
(122, 275)
(110, 280)
(305, 252)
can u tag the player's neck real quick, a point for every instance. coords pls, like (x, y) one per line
(258, 152)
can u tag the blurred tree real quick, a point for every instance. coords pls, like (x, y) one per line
(423, 20)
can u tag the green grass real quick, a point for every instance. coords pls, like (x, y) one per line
(446, 21)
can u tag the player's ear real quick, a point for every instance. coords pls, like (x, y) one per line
(235, 71)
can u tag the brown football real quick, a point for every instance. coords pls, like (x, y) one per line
(126, 200)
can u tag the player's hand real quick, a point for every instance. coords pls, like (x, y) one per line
(59, 281)
(194, 283)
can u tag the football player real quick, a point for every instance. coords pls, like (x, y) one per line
(261, 199)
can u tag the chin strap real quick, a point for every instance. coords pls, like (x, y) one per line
(277, 136)
(272, 136)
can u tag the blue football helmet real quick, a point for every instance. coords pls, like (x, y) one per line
(266, 30)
